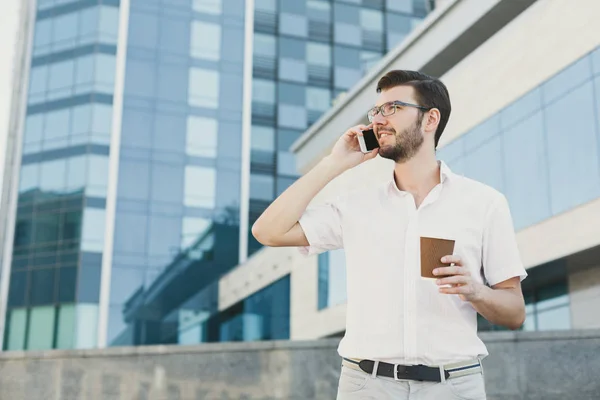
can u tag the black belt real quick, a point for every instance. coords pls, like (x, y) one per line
(413, 372)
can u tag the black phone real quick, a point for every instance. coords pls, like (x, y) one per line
(368, 142)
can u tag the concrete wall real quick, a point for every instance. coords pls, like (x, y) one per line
(522, 365)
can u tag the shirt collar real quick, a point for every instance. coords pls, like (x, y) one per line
(445, 174)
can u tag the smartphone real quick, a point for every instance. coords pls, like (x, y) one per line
(368, 142)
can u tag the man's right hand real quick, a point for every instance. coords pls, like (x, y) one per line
(278, 225)
(346, 152)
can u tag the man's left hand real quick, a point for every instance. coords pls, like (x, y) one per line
(460, 279)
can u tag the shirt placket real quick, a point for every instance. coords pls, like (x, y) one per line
(410, 309)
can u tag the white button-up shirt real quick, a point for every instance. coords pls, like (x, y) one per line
(393, 314)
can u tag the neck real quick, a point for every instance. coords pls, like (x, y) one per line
(418, 175)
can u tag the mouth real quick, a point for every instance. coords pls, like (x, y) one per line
(385, 134)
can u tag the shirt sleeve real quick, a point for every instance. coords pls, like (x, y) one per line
(501, 257)
(322, 227)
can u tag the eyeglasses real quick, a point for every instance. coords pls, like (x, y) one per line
(389, 108)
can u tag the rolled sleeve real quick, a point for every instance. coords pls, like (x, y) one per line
(501, 257)
(323, 228)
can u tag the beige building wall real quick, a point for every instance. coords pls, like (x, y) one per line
(539, 43)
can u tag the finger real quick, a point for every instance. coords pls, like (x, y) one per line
(456, 270)
(453, 280)
(454, 290)
(452, 259)
(371, 154)
(363, 127)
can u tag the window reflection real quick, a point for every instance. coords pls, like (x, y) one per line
(201, 136)
(208, 6)
(205, 40)
(192, 229)
(53, 176)
(261, 187)
(263, 138)
(204, 88)
(199, 186)
(92, 238)
(332, 278)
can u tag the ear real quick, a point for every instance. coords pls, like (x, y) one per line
(431, 120)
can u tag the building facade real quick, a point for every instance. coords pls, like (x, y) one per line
(525, 120)
(154, 134)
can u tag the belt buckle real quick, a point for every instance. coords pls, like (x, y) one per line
(396, 368)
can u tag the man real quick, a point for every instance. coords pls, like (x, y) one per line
(408, 338)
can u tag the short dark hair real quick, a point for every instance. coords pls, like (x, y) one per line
(430, 93)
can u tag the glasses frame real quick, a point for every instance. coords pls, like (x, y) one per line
(372, 113)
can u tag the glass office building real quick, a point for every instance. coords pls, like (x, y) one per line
(130, 199)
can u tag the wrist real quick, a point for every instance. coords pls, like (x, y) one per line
(480, 294)
(332, 166)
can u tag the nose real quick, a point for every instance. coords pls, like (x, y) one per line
(379, 120)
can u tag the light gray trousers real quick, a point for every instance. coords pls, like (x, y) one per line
(358, 385)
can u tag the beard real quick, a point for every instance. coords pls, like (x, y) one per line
(407, 144)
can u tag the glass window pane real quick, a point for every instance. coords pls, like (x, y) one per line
(17, 289)
(42, 286)
(199, 186)
(92, 238)
(84, 76)
(484, 164)
(292, 48)
(262, 187)
(208, 6)
(286, 163)
(46, 227)
(205, 40)
(65, 31)
(266, 5)
(56, 130)
(526, 172)
(292, 116)
(67, 284)
(318, 54)
(76, 173)
(263, 138)
(97, 175)
(192, 228)
(264, 45)
(65, 333)
(29, 177)
(318, 99)
(34, 128)
(53, 177)
(201, 137)
(572, 149)
(101, 123)
(263, 91)
(371, 20)
(564, 81)
(88, 22)
(43, 36)
(204, 88)
(41, 328)
(109, 24)
(105, 71)
(38, 82)
(61, 79)
(82, 119)
(293, 24)
(404, 6)
(87, 326)
(554, 319)
(17, 327)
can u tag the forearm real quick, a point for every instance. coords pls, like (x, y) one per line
(287, 209)
(503, 307)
